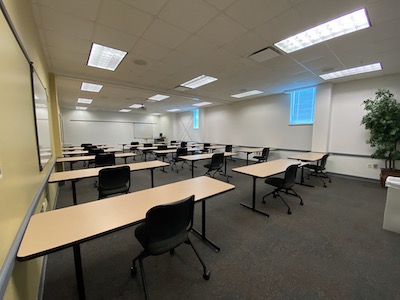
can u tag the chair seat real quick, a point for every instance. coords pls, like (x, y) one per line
(313, 167)
(158, 247)
(275, 181)
(119, 190)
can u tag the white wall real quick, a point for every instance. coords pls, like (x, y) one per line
(264, 122)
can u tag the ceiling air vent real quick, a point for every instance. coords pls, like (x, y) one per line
(264, 54)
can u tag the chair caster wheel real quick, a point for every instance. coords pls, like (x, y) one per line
(133, 271)
(289, 212)
(206, 275)
(172, 251)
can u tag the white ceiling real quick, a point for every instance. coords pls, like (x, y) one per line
(172, 41)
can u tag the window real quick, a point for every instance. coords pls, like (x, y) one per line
(196, 119)
(302, 106)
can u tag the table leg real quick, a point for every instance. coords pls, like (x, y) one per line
(78, 271)
(192, 168)
(302, 179)
(202, 234)
(247, 158)
(74, 192)
(152, 177)
(253, 207)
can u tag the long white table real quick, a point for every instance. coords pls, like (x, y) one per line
(262, 170)
(72, 159)
(69, 227)
(76, 175)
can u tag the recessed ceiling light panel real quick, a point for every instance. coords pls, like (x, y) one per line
(158, 97)
(199, 81)
(81, 108)
(352, 71)
(105, 57)
(202, 103)
(246, 94)
(340, 26)
(85, 100)
(136, 106)
(124, 110)
(173, 110)
(91, 87)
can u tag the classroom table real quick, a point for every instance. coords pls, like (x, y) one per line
(262, 170)
(72, 159)
(80, 152)
(69, 227)
(214, 147)
(76, 175)
(146, 150)
(307, 157)
(249, 151)
(196, 157)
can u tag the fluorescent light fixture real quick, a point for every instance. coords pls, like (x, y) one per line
(158, 97)
(198, 81)
(202, 103)
(124, 110)
(246, 94)
(91, 87)
(40, 105)
(105, 57)
(156, 114)
(136, 106)
(85, 100)
(352, 71)
(173, 110)
(340, 26)
(81, 108)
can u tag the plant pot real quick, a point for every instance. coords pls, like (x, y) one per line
(388, 172)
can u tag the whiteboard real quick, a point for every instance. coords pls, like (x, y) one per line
(143, 130)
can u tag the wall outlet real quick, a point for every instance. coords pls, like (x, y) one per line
(369, 166)
(375, 166)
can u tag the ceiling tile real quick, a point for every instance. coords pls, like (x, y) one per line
(152, 7)
(246, 44)
(110, 37)
(87, 9)
(257, 13)
(66, 43)
(188, 15)
(221, 4)
(221, 30)
(196, 46)
(164, 34)
(147, 49)
(123, 17)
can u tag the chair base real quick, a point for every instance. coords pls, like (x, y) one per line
(276, 193)
(144, 254)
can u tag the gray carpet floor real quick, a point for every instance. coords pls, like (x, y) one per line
(333, 247)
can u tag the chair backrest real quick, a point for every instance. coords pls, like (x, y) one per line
(114, 178)
(217, 160)
(134, 143)
(181, 152)
(228, 148)
(166, 221)
(207, 144)
(85, 145)
(265, 153)
(104, 159)
(323, 161)
(147, 145)
(162, 147)
(183, 144)
(94, 151)
(173, 142)
(290, 176)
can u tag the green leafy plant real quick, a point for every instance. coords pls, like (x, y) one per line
(383, 122)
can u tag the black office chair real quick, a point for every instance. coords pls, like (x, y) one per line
(216, 164)
(134, 146)
(177, 158)
(144, 152)
(114, 181)
(229, 148)
(86, 145)
(166, 227)
(173, 142)
(205, 149)
(183, 144)
(93, 150)
(104, 159)
(286, 184)
(263, 157)
(318, 170)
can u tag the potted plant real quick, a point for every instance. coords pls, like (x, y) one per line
(383, 121)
